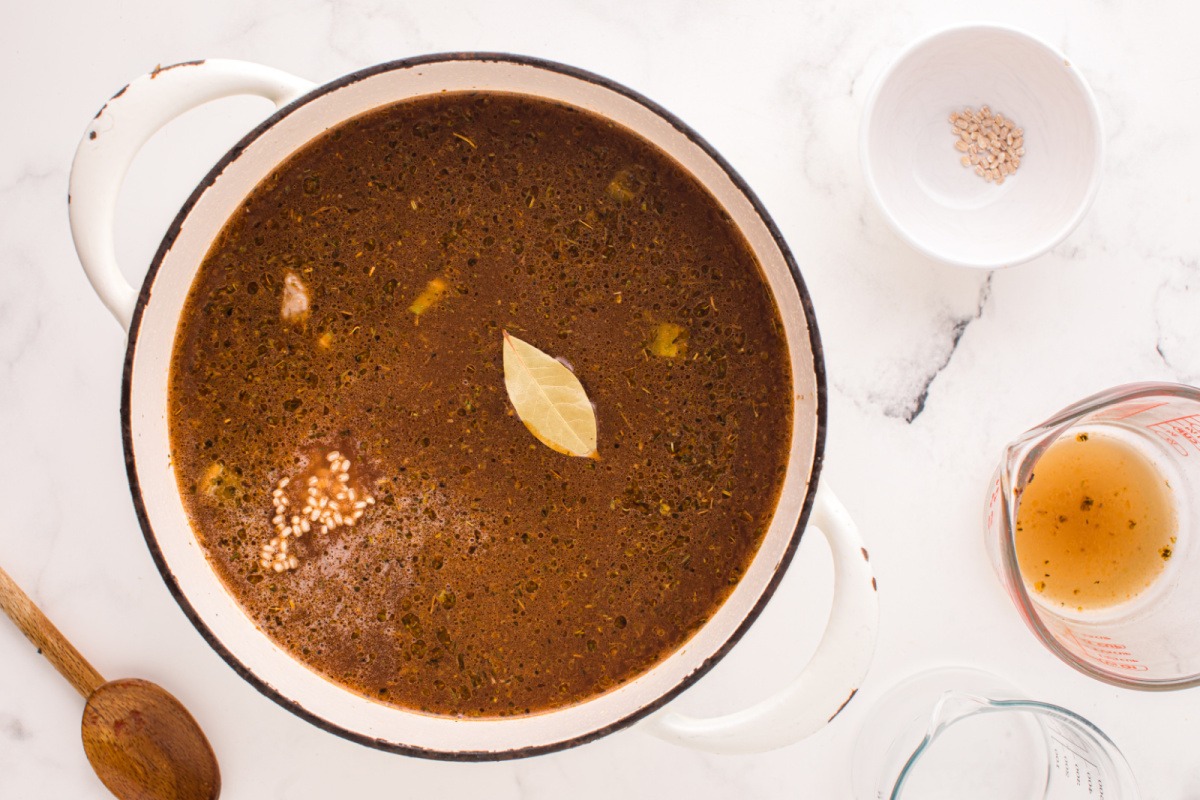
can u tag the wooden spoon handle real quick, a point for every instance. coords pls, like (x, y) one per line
(47, 638)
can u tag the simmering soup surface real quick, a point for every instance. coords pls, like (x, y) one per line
(341, 351)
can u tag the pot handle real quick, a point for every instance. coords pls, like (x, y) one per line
(831, 677)
(119, 130)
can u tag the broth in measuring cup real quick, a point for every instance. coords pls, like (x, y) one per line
(1096, 523)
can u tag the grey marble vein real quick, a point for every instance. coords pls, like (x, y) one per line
(1177, 317)
(957, 330)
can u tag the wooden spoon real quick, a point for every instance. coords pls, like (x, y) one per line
(142, 742)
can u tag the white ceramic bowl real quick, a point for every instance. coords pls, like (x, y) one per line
(941, 207)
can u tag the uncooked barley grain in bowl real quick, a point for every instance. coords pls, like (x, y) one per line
(990, 142)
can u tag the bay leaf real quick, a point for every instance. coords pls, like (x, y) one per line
(549, 399)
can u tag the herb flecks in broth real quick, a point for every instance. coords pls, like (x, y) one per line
(549, 399)
(492, 576)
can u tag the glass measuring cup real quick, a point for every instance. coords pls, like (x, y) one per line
(954, 733)
(1149, 641)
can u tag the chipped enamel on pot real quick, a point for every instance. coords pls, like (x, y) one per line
(151, 316)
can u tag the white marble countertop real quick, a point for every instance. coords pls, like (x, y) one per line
(932, 368)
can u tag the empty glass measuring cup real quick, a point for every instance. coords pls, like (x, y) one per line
(1149, 641)
(960, 733)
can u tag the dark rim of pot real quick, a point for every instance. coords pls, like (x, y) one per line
(127, 423)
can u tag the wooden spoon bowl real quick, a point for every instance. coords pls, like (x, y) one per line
(144, 744)
(141, 741)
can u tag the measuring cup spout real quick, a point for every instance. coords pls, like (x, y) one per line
(1017, 467)
(951, 707)
(1021, 454)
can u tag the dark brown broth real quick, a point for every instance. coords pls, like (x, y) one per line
(494, 576)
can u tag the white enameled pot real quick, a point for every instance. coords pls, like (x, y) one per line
(152, 316)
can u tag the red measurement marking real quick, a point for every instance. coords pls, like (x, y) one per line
(1127, 410)
(993, 505)
(1179, 430)
(1105, 651)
